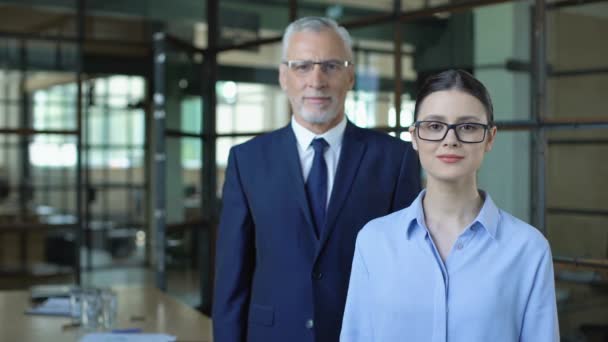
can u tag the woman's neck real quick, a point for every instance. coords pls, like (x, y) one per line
(450, 207)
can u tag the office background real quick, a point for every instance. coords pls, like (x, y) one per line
(116, 118)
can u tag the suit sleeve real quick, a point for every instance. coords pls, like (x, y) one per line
(235, 260)
(356, 323)
(540, 318)
(408, 184)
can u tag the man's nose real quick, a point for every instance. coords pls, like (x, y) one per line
(317, 77)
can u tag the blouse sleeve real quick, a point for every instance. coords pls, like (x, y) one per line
(540, 318)
(356, 324)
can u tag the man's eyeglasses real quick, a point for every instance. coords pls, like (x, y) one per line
(466, 132)
(329, 67)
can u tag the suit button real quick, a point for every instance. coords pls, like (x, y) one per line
(310, 324)
(317, 275)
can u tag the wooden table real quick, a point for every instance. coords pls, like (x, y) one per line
(146, 308)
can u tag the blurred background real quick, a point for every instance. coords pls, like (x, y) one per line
(116, 118)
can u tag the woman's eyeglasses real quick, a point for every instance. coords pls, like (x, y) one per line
(466, 132)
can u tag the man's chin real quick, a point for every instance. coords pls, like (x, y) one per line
(318, 118)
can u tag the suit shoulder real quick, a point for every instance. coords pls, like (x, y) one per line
(383, 139)
(379, 136)
(260, 142)
(383, 227)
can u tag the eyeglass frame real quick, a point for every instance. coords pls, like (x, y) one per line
(322, 64)
(454, 126)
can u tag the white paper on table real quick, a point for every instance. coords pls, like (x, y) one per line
(53, 307)
(134, 337)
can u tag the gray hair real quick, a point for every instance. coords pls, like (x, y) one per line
(317, 24)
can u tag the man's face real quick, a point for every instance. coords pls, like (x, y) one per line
(317, 95)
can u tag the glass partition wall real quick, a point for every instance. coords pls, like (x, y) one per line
(39, 136)
(73, 134)
(576, 210)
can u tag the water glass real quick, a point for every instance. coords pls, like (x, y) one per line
(75, 294)
(109, 308)
(93, 308)
(90, 308)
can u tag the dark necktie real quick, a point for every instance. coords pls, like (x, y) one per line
(316, 184)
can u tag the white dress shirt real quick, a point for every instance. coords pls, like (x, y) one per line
(332, 153)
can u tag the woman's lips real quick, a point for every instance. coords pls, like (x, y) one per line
(450, 158)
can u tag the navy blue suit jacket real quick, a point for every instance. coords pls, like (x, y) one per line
(275, 280)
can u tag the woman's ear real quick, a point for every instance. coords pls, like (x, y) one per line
(491, 137)
(412, 130)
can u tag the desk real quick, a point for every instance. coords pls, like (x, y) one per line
(146, 308)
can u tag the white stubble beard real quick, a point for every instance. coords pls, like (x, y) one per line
(316, 118)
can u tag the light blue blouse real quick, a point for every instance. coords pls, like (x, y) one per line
(496, 284)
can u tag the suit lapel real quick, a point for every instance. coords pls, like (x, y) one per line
(289, 150)
(353, 148)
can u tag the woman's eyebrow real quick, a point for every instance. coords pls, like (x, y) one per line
(468, 118)
(439, 117)
(435, 117)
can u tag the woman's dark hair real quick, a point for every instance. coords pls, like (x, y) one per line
(458, 80)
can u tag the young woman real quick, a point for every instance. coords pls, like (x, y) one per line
(451, 267)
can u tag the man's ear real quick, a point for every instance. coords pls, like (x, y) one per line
(351, 80)
(282, 77)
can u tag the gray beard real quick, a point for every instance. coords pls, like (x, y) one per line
(318, 119)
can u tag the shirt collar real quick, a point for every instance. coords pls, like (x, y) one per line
(488, 216)
(333, 136)
(415, 214)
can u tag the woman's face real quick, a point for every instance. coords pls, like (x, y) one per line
(451, 160)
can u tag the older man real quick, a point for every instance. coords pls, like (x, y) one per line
(295, 199)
